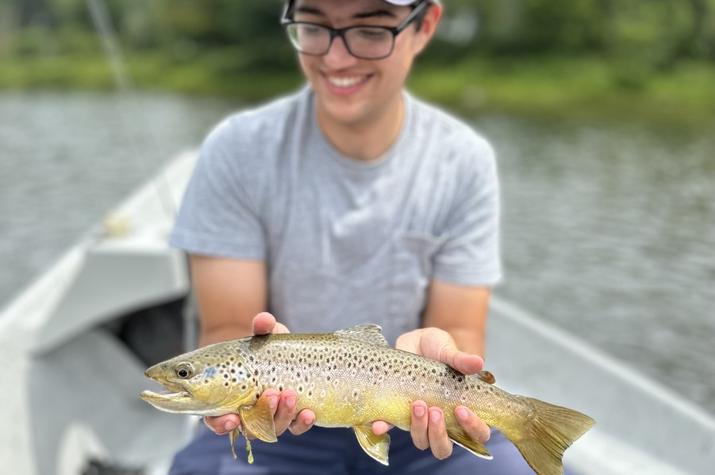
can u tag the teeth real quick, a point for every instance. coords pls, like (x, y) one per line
(345, 82)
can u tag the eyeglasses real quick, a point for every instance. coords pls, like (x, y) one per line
(363, 42)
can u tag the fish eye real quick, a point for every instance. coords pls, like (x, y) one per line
(184, 371)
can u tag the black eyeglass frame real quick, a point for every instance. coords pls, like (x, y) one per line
(286, 21)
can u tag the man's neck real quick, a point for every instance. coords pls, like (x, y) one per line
(369, 140)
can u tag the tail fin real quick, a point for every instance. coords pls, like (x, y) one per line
(546, 436)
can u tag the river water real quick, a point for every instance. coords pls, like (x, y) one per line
(608, 229)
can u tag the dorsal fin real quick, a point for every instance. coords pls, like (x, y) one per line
(366, 332)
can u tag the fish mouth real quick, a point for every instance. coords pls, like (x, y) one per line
(172, 391)
(150, 396)
(175, 402)
(174, 398)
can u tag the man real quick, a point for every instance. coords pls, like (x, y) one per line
(348, 202)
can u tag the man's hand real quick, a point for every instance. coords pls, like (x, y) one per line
(428, 428)
(282, 403)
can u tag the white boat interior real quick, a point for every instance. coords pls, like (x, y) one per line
(77, 341)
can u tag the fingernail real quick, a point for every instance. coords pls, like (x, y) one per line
(290, 402)
(308, 420)
(229, 426)
(419, 411)
(435, 415)
(462, 414)
(273, 402)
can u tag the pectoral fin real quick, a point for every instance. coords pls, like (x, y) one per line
(257, 421)
(376, 446)
(461, 438)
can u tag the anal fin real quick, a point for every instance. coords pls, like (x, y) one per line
(376, 446)
(461, 438)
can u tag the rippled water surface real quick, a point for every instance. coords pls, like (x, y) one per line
(609, 230)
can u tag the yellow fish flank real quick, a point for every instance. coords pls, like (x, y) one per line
(351, 378)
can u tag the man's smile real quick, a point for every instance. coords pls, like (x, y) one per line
(345, 84)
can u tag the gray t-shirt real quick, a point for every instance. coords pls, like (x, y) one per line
(346, 241)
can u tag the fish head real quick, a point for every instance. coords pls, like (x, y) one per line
(210, 381)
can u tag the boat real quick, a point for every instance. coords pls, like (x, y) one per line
(75, 344)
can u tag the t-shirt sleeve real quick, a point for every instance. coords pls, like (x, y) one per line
(470, 253)
(219, 212)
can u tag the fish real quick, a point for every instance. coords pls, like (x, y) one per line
(351, 378)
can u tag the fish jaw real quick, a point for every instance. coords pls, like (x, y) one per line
(185, 397)
(177, 403)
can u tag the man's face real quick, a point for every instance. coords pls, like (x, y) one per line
(354, 91)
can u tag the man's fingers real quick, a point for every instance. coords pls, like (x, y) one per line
(302, 423)
(466, 363)
(437, 434)
(286, 411)
(265, 323)
(381, 427)
(418, 425)
(222, 425)
(472, 425)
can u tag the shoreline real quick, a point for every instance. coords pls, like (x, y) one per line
(549, 87)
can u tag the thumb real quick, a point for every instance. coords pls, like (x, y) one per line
(265, 323)
(463, 362)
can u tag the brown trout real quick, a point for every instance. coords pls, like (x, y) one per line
(351, 378)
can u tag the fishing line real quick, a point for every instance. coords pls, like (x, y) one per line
(125, 86)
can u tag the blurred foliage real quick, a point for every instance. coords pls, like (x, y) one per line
(657, 32)
(237, 47)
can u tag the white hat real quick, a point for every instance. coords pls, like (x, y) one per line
(394, 2)
(402, 2)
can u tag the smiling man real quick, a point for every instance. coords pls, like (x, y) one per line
(348, 202)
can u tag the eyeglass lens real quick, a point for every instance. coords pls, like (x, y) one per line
(364, 42)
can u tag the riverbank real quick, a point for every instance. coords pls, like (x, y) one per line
(579, 88)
